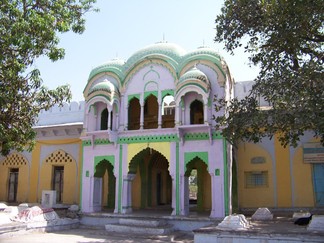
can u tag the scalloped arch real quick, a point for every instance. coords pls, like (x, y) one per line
(148, 62)
(138, 158)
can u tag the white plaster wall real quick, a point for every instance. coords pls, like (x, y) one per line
(69, 113)
(137, 82)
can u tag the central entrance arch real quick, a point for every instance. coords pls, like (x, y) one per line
(152, 183)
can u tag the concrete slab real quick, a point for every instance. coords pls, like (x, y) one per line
(272, 231)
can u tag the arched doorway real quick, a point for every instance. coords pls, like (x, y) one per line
(105, 170)
(134, 113)
(168, 111)
(152, 184)
(199, 187)
(151, 111)
(196, 112)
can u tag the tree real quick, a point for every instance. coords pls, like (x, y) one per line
(29, 29)
(285, 39)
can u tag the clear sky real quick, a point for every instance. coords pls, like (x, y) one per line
(124, 26)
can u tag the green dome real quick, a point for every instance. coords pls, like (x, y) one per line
(194, 73)
(169, 50)
(102, 86)
(114, 66)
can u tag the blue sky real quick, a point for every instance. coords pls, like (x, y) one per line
(122, 27)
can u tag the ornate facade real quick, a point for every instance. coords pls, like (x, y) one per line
(148, 124)
(144, 138)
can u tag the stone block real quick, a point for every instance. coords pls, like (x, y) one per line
(262, 214)
(234, 222)
(317, 223)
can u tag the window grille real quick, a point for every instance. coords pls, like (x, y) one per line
(255, 179)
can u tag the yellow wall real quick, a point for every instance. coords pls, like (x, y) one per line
(254, 197)
(303, 178)
(207, 190)
(163, 148)
(34, 170)
(41, 173)
(136, 191)
(283, 175)
(69, 179)
(23, 177)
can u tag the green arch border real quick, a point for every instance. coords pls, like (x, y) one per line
(189, 156)
(109, 158)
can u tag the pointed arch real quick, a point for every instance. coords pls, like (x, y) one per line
(104, 168)
(134, 114)
(152, 184)
(204, 199)
(196, 112)
(151, 112)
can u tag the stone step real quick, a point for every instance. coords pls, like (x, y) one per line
(120, 228)
(140, 226)
(142, 222)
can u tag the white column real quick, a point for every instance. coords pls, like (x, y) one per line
(184, 185)
(117, 122)
(127, 194)
(205, 113)
(160, 116)
(142, 117)
(109, 119)
(177, 116)
(126, 117)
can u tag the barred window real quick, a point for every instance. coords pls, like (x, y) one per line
(255, 179)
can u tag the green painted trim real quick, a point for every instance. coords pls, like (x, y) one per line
(109, 158)
(196, 136)
(120, 179)
(189, 156)
(181, 103)
(159, 138)
(148, 93)
(137, 96)
(225, 177)
(148, 138)
(167, 92)
(191, 83)
(95, 112)
(209, 102)
(177, 180)
(90, 96)
(101, 141)
(86, 143)
(81, 179)
(217, 135)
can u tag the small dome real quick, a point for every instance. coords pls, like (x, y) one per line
(193, 77)
(114, 65)
(194, 73)
(105, 85)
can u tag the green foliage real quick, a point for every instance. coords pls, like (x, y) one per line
(285, 39)
(28, 30)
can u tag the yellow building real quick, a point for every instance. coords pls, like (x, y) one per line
(53, 165)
